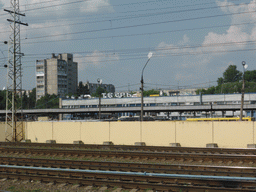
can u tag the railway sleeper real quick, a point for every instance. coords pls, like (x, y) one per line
(100, 183)
(230, 184)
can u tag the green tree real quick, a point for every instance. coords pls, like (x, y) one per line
(2, 100)
(220, 81)
(98, 92)
(150, 92)
(232, 74)
(25, 101)
(32, 99)
(28, 101)
(250, 76)
(211, 90)
(231, 82)
(48, 101)
(82, 89)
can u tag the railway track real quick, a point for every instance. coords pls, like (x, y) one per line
(133, 167)
(129, 180)
(159, 168)
(182, 158)
(133, 148)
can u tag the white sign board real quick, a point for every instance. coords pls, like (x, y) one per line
(117, 95)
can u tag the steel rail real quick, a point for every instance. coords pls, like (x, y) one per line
(134, 148)
(181, 157)
(188, 187)
(134, 179)
(133, 167)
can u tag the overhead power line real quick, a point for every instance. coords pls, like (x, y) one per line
(132, 35)
(140, 25)
(130, 17)
(115, 5)
(164, 56)
(138, 16)
(143, 50)
(81, 1)
(127, 4)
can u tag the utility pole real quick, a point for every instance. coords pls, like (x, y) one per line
(99, 82)
(14, 124)
(142, 81)
(242, 95)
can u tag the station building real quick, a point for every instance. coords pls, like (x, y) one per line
(174, 100)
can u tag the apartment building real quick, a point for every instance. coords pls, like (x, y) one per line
(109, 88)
(57, 75)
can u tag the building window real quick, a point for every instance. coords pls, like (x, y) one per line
(41, 73)
(39, 62)
(40, 82)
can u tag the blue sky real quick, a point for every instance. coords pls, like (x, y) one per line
(193, 42)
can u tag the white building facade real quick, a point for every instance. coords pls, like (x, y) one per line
(178, 100)
(57, 75)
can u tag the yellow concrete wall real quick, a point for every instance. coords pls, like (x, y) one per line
(196, 134)
(39, 131)
(63, 134)
(235, 134)
(94, 132)
(2, 131)
(188, 134)
(125, 133)
(158, 133)
(9, 134)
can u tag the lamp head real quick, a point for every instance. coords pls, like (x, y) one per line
(99, 81)
(244, 64)
(150, 54)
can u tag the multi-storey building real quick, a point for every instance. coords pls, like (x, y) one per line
(92, 87)
(57, 75)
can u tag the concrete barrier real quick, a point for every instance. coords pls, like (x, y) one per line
(187, 134)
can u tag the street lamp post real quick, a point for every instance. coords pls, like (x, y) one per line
(141, 113)
(242, 97)
(99, 82)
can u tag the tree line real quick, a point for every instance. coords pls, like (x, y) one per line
(52, 101)
(29, 101)
(231, 82)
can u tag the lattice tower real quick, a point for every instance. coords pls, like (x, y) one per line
(14, 123)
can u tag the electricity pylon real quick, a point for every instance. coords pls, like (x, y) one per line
(14, 124)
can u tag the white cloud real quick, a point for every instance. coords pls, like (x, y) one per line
(96, 5)
(184, 78)
(5, 31)
(249, 9)
(97, 59)
(61, 7)
(5, 2)
(220, 42)
(45, 29)
(80, 60)
(235, 38)
(185, 40)
(164, 49)
(56, 14)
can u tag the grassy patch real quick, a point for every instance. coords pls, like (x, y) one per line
(11, 188)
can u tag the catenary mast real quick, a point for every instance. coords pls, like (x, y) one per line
(14, 125)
